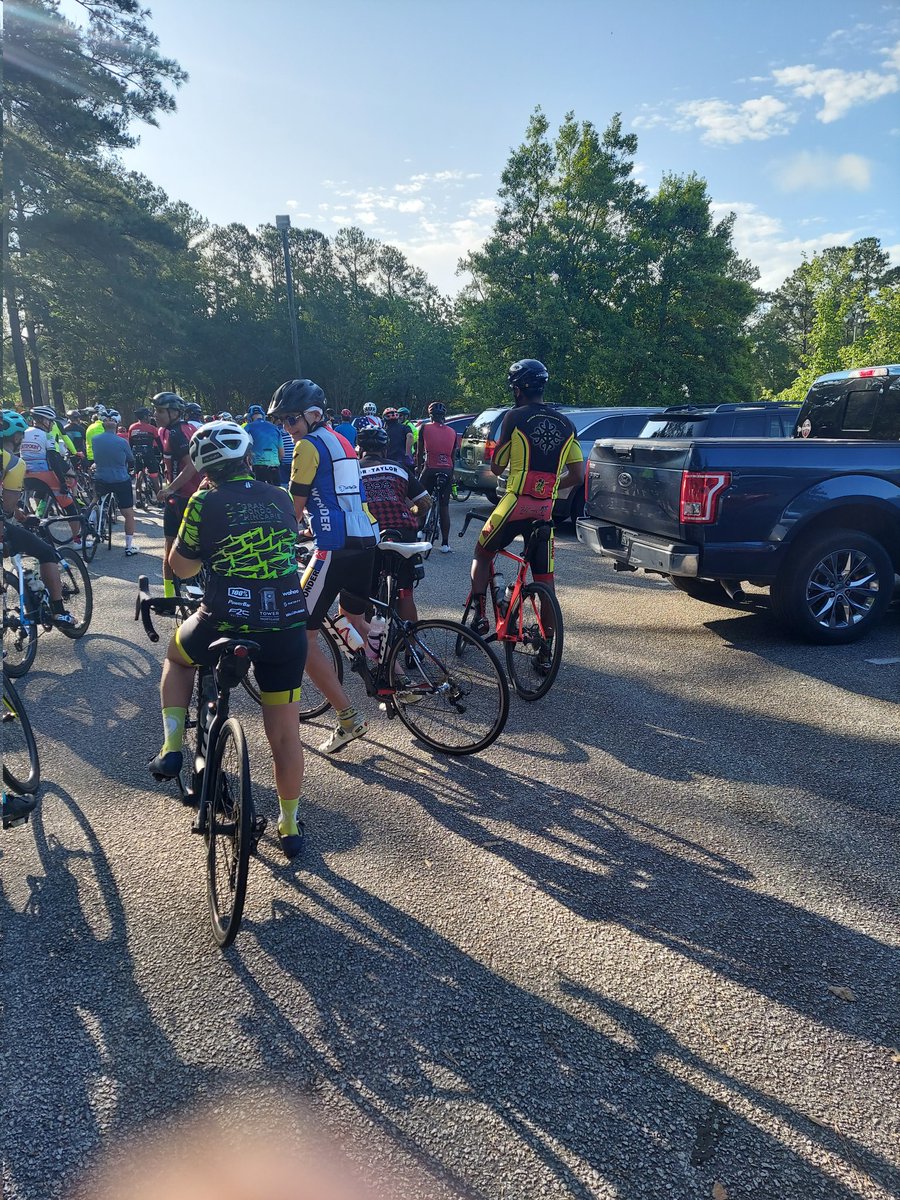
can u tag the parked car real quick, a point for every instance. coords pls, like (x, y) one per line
(473, 467)
(815, 521)
(590, 424)
(722, 420)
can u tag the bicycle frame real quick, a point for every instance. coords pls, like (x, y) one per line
(29, 608)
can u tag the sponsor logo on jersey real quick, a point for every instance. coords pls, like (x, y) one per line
(239, 593)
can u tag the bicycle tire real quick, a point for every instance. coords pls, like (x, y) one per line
(90, 533)
(13, 716)
(462, 494)
(20, 635)
(76, 582)
(476, 673)
(229, 834)
(187, 780)
(526, 620)
(110, 520)
(312, 702)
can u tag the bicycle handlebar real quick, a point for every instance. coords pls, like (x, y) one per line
(163, 606)
(474, 514)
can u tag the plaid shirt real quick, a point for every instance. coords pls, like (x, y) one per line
(390, 490)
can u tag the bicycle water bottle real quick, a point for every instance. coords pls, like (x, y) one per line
(348, 635)
(376, 638)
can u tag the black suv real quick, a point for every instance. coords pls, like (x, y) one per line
(693, 421)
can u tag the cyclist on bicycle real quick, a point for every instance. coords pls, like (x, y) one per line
(74, 429)
(193, 415)
(325, 477)
(46, 461)
(345, 426)
(391, 493)
(144, 440)
(540, 447)
(181, 474)
(112, 458)
(435, 455)
(369, 416)
(246, 532)
(16, 539)
(95, 427)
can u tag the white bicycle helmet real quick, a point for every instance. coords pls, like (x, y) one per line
(44, 412)
(112, 415)
(370, 409)
(218, 442)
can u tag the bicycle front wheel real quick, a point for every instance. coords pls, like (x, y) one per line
(461, 494)
(77, 593)
(21, 764)
(449, 688)
(229, 832)
(534, 641)
(20, 636)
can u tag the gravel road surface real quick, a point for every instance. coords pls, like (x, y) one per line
(598, 960)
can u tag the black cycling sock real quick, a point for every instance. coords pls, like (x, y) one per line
(57, 606)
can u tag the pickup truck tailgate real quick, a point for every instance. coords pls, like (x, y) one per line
(637, 484)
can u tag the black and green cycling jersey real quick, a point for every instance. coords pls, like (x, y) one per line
(246, 533)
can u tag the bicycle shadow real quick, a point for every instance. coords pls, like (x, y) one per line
(549, 1097)
(79, 1011)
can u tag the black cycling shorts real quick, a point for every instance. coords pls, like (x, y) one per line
(173, 515)
(403, 569)
(429, 478)
(278, 668)
(17, 540)
(268, 475)
(123, 492)
(330, 573)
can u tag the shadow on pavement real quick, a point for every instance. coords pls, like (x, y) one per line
(418, 1033)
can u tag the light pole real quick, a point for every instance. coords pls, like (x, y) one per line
(283, 224)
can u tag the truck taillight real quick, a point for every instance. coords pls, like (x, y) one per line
(489, 448)
(700, 492)
(869, 372)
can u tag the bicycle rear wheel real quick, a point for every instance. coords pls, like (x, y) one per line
(456, 702)
(21, 763)
(312, 702)
(77, 592)
(91, 532)
(461, 494)
(229, 832)
(534, 641)
(20, 635)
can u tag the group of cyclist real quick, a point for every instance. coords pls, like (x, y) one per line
(224, 510)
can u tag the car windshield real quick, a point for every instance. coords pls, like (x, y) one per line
(683, 428)
(483, 426)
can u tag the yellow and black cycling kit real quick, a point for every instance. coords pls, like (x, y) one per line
(537, 443)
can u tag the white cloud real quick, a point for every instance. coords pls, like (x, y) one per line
(840, 89)
(810, 170)
(764, 240)
(485, 207)
(723, 123)
(410, 206)
(366, 217)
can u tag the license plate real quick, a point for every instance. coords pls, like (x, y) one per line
(468, 454)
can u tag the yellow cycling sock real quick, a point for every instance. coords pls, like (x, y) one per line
(347, 717)
(173, 728)
(287, 820)
(169, 588)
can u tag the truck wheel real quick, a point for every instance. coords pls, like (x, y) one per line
(835, 588)
(709, 591)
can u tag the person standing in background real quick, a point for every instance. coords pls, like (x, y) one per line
(112, 458)
(268, 448)
(345, 426)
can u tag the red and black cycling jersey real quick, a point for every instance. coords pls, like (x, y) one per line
(390, 490)
(537, 443)
(175, 439)
(143, 436)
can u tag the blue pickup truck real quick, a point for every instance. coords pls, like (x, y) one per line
(814, 517)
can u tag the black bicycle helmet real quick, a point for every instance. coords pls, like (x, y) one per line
(372, 438)
(527, 374)
(169, 400)
(437, 411)
(141, 414)
(297, 396)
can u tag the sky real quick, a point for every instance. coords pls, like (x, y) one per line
(399, 115)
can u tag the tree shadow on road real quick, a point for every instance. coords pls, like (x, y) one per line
(421, 1036)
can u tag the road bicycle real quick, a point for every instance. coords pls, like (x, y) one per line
(21, 762)
(98, 524)
(438, 677)
(39, 501)
(431, 529)
(459, 492)
(527, 618)
(215, 778)
(27, 611)
(146, 485)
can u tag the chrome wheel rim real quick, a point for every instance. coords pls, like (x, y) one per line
(842, 589)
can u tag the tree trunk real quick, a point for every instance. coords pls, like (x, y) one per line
(37, 386)
(56, 391)
(18, 346)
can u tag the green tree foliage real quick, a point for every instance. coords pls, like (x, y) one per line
(628, 298)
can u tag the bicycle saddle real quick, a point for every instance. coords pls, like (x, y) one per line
(406, 549)
(226, 645)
